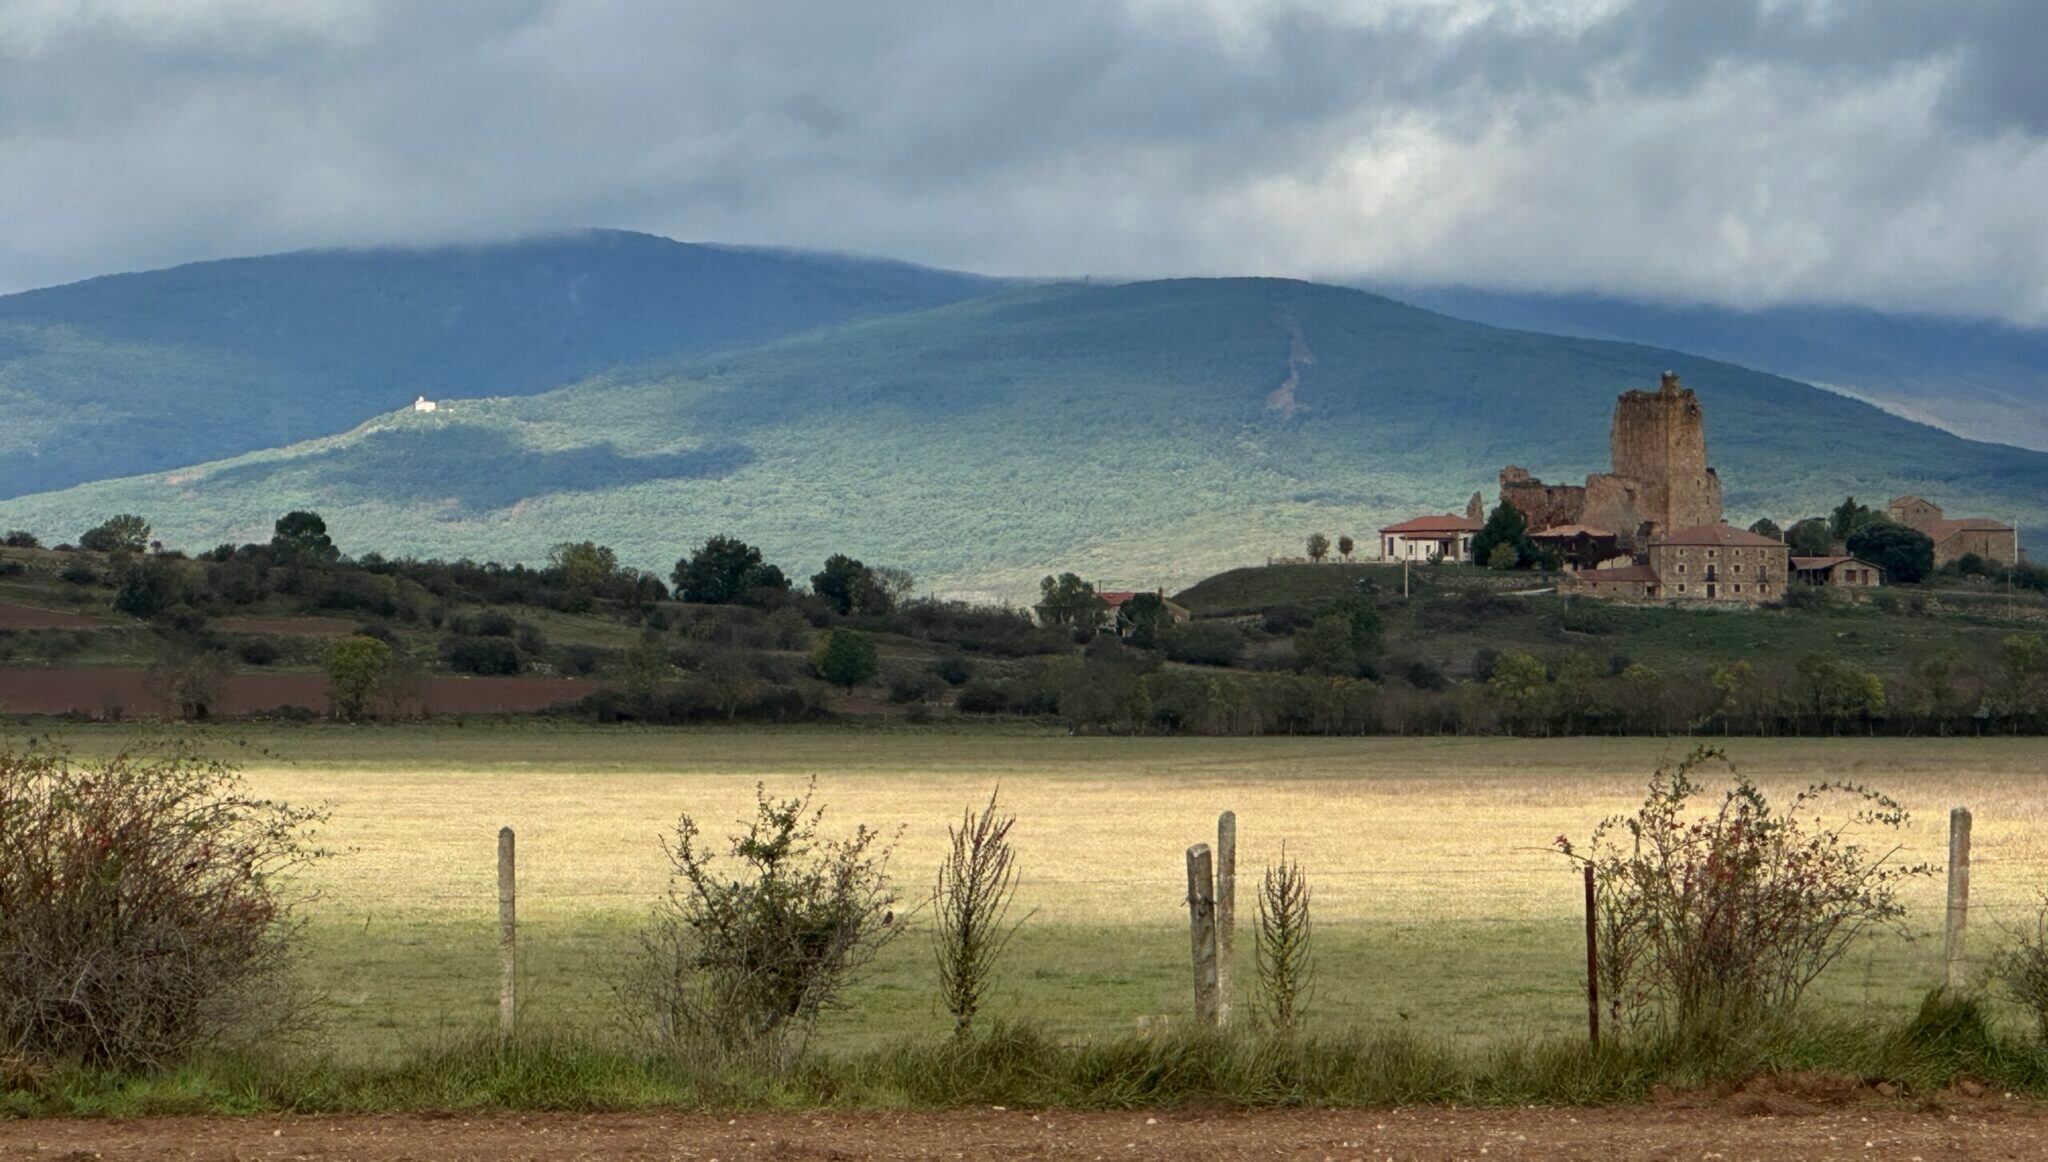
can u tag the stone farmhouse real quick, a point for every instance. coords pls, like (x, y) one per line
(1955, 539)
(1706, 563)
(1843, 572)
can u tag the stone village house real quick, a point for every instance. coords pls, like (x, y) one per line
(1706, 563)
(1429, 538)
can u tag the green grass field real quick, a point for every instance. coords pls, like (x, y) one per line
(1441, 909)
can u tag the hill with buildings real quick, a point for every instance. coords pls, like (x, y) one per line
(1142, 434)
(139, 372)
(1981, 379)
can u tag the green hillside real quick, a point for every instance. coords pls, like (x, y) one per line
(141, 372)
(1136, 433)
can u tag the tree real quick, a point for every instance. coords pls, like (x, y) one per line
(302, 537)
(1363, 618)
(1812, 537)
(1839, 690)
(126, 533)
(585, 566)
(1906, 555)
(724, 571)
(1766, 527)
(356, 667)
(846, 658)
(1505, 527)
(1519, 680)
(841, 583)
(1346, 546)
(1318, 547)
(1142, 618)
(1849, 517)
(145, 587)
(1068, 600)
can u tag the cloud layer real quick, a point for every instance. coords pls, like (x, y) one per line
(1890, 153)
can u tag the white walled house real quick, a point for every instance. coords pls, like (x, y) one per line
(1427, 537)
(423, 404)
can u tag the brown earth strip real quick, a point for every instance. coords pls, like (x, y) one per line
(1640, 1132)
(131, 692)
(35, 617)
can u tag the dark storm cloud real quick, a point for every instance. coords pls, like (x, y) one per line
(1745, 151)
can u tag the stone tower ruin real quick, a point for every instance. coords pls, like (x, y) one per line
(1661, 482)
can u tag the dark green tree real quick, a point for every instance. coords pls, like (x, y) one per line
(842, 583)
(1505, 526)
(1811, 537)
(1143, 619)
(1068, 600)
(1766, 527)
(1849, 517)
(725, 571)
(301, 537)
(126, 533)
(846, 658)
(1906, 555)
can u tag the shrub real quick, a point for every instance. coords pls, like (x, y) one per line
(746, 958)
(970, 910)
(79, 573)
(145, 907)
(1202, 643)
(259, 652)
(846, 658)
(983, 698)
(1283, 943)
(2022, 967)
(483, 655)
(1713, 921)
(21, 539)
(953, 670)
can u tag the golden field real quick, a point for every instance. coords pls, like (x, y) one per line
(1438, 898)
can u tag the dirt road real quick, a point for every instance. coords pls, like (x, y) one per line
(1998, 1131)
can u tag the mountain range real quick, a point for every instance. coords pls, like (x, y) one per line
(647, 393)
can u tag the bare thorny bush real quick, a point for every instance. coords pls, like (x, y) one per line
(144, 907)
(970, 910)
(743, 959)
(1712, 919)
(1283, 950)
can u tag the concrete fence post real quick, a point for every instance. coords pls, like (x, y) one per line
(1226, 912)
(508, 936)
(1202, 931)
(1956, 974)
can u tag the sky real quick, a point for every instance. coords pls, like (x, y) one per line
(1883, 153)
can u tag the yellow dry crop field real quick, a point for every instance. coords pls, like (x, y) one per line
(1437, 895)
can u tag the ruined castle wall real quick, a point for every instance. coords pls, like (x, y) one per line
(1543, 505)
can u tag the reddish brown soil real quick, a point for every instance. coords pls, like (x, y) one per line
(97, 692)
(2019, 1131)
(32, 617)
(287, 626)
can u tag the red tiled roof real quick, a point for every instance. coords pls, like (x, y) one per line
(1724, 535)
(1942, 530)
(1562, 531)
(1625, 573)
(1446, 523)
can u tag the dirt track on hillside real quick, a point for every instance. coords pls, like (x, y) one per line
(1729, 1132)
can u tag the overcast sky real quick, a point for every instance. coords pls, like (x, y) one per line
(1892, 153)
